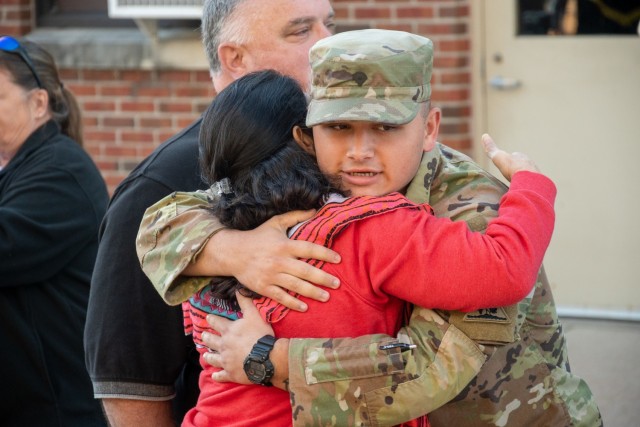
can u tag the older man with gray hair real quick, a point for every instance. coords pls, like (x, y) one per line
(136, 352)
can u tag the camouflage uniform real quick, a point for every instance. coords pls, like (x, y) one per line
(525, 380)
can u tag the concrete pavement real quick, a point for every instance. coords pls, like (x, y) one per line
(606, 353)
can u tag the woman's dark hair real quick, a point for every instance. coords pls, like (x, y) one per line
(62, 104)
(246, 136)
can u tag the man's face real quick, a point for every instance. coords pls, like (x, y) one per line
(372, 159)
(284, 31)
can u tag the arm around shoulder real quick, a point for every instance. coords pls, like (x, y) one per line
(172, 234)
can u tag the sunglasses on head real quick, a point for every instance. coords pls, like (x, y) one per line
(11, 45)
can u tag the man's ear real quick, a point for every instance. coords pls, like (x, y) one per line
(233, 60)
(304, 140)
(431, 129)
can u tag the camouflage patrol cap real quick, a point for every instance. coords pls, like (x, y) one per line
(369, 75)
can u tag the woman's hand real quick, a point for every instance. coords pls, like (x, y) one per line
(507, 164)
(235, 341)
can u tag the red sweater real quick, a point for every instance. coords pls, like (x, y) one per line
(447, 266)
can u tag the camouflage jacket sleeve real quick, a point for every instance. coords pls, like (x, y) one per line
(352, 380)
(172, 234)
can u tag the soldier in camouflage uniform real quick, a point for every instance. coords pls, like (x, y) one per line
(525, 379)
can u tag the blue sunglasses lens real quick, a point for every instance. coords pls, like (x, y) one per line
(9, 44)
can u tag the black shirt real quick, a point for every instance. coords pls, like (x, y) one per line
(135, 343)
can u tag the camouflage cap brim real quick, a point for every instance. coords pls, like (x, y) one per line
(362, 109)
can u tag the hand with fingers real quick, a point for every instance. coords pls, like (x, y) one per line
(236, 339)
(267, 262)
(507, 164)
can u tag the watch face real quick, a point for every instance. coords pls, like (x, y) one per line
(255, 371)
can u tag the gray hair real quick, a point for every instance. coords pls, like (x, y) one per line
(220, 24)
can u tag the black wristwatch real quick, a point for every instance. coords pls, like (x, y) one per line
(257, 365)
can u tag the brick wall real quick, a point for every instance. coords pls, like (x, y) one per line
(127, 113)
(15, 17)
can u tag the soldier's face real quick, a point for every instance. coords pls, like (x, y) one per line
(374, 159)
(283, 32)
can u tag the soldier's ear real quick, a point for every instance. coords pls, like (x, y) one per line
(304, 139)
(431, 128)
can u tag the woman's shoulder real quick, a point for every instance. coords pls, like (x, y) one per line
(339, 213)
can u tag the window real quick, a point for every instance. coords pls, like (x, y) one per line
(578, 17)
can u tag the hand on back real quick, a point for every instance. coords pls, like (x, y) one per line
(266, 261)
(507, 164)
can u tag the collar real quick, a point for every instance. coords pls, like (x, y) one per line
(39, 137)
(419, 189)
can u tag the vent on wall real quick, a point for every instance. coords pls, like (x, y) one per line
(156, 9)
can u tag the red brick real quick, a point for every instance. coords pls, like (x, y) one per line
(120, 151)
(89, 121)
(175, 107)
(118, 122)
(174, 76)
(98, 105)
(137, 106)
(68, 74)
(454, 45)
(136, 75)
(450, 95)
(14, 30)
(455, 78)
(19, 15)
(81, 89)
(163, 136)
(146, 122)
(462, 144)
(155, 91)
(454, 11)
(202, 77)
(341, 12)
(372, 12)
(137, 136)
(414, 12)
(106, 165)
(454, 128)
(398, 27)
(117, 90)
(94, 149)
(440, 61)
(99, 136)
(192, 91)
(450, 111)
